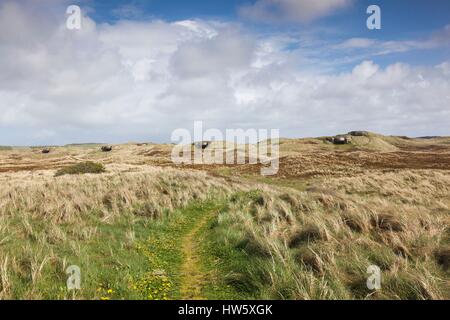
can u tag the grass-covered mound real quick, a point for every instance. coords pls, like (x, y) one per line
(81, 168)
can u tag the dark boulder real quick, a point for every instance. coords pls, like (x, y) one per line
(45, 151)
(106, 148)
(359, 133)
(202, 144)
(341, 140)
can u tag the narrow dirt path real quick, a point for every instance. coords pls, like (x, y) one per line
(193, 279)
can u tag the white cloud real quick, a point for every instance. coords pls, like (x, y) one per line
(291, 10)
(142, 80)
(356, 43)
(438, 39)
(365, 70)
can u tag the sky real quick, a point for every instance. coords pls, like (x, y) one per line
(138, 70)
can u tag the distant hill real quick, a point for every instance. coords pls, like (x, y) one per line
(88, 144)
(429, 137)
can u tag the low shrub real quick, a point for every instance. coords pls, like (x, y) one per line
(81, 168)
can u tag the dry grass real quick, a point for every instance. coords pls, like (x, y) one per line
(148, 191)
(318, 244)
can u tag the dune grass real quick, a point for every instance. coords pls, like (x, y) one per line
(318, 244)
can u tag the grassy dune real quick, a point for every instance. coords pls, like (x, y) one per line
(143, 228)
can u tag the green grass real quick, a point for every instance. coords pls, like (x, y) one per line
(108, 260)
(238, 266)
(219, 261)
(162, 249)
(114, 264)
(163, 252)
(123, 256)
(140, 257)
(81, 168)
(224, 261)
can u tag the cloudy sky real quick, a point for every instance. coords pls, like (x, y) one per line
(137, 70)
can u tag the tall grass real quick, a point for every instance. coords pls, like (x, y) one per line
(318, 244)
(93, 221)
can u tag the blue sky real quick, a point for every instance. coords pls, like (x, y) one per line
(401, 20)
(138, 70)
(404, 15)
